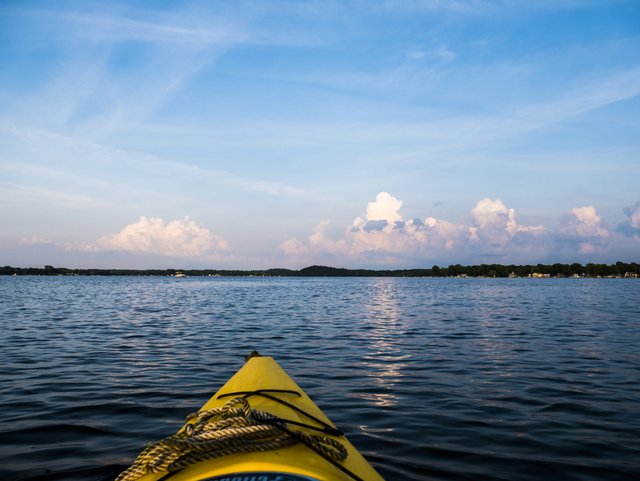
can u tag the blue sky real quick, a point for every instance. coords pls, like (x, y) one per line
(359, 134)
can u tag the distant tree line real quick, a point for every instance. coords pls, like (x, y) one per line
(482, 270)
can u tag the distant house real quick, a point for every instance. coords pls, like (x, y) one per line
(538, 275)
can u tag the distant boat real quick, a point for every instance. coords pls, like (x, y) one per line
(179, 274)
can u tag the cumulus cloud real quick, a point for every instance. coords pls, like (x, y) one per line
(495, 225)
(584, 225)
(631, 228)
(382, 214)
(383, 231)
(492, 233)
(176, 238)
(437, 234)
(380, 230)
(494, 215)
(318, 242)
(586, 222)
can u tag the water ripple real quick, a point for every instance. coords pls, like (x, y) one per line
(432, 379)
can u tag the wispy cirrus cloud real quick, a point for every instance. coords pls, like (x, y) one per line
(35, 241)
(23, 193)
(68, 148)
(113, 23)
(259, 116)
(116, 65)
(460, 136)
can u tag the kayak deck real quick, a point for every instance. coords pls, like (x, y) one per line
(269, 389)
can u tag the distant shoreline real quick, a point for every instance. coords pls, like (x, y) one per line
(591, 270)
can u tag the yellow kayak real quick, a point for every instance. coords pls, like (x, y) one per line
(260, 426)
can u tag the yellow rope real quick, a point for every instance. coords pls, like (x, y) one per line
(230, 429)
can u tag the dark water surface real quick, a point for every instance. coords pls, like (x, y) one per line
(432, 379)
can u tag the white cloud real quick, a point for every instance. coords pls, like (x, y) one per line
(634, 216)
(149, 165)
(35, 241)
(176, 238)
(492, 234)
(631, 228)
(385, 207)
(30, 194)
(585, 222)
(440, 234)
(445, 54)
(468, 7)
(586, 248)
(293, 247)
(584, 229)
(114, 28)
(317, 243)
(382, 231)
(382, 228)
(496, 224)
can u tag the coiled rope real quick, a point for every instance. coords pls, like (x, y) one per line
(231, 429)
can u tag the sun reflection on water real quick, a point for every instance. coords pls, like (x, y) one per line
(385, 360)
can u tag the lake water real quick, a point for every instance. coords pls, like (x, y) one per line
(432, 379)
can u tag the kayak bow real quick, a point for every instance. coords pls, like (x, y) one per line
(260, 426)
